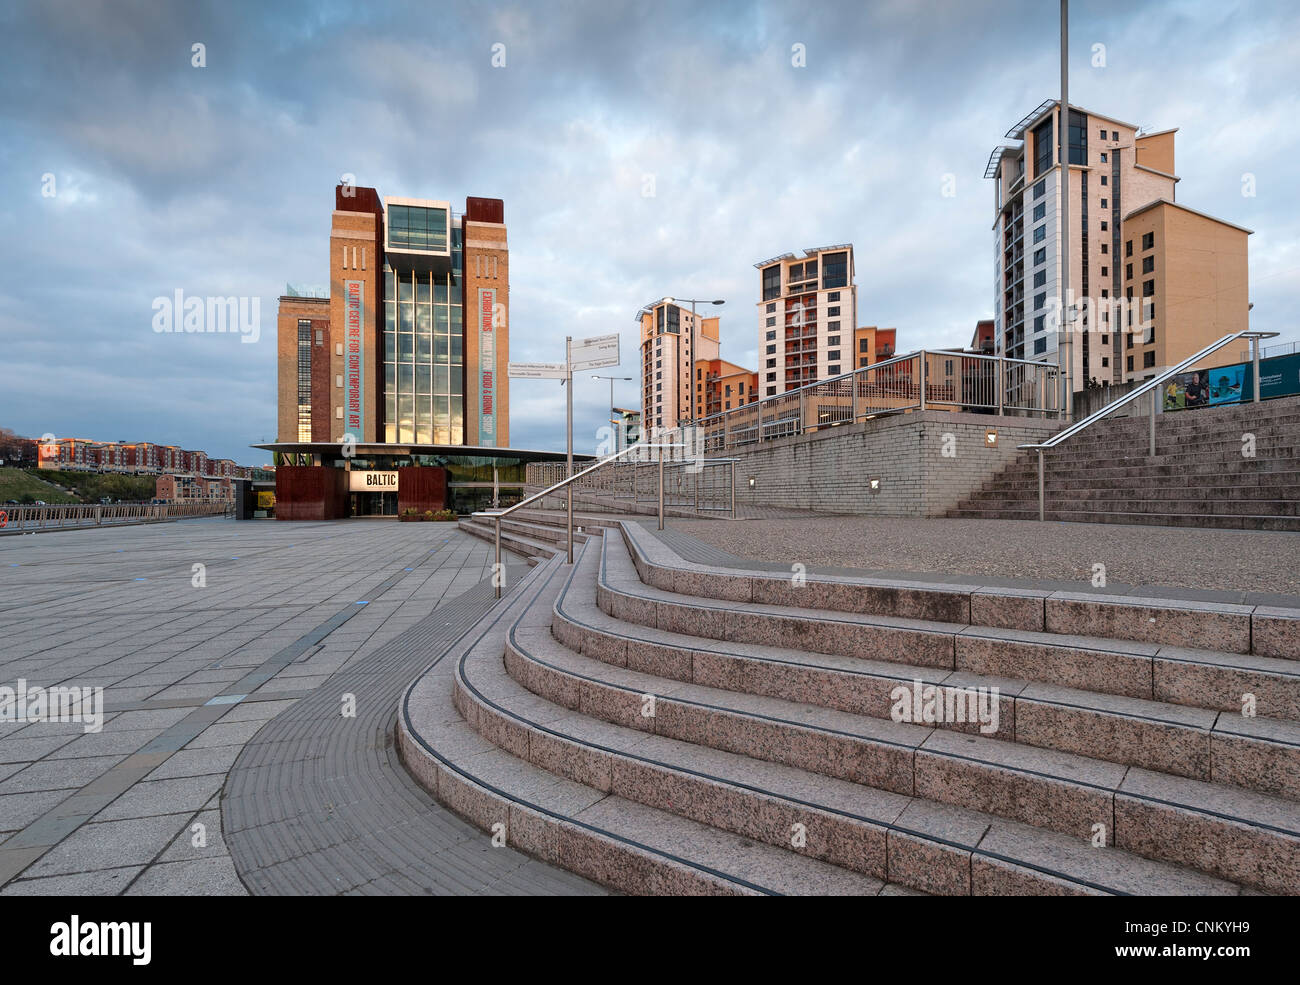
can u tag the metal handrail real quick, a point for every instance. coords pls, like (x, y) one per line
(551, 490)
(1151, 386)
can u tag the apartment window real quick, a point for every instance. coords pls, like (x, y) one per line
(833, 312)
(1039, 189)
(1148, 359)
(1043, 145)
(1104, 179)
(1040, 211)
(1040, 255)
(833, 296)
(1114, 135)
(1103, 134)
(833, 354)
(659, 376)
(1128, 248)
(1148, 264)
(835, 270)
(1038, 323)
(770, 378)
(771, 321)
(1105, 293)
(771, 308)
(1040, 345)
(1105, 248)
(1040, 301)
(833, 340)
(1040, 233)
(727, 388)
(1128, 271)
(833, 370)
(771, 349)
(1105, 340)
(863, 345)
(1128, 364)
(1103, 157)
(1148, 240)
(1105, 271)
(771, 363)
(772, 282)
(1148, 288)
(1040, 278)
(770, 336)
(1103, 203)
(1077, 135)
(1104, 225)
(863, 361)
(658, 387)
(1105, 362)
(832, 326)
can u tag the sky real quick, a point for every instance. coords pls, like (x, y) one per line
(641, 149)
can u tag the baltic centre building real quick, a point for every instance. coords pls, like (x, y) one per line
(401, 371)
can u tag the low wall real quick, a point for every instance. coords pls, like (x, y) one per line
(926, 463)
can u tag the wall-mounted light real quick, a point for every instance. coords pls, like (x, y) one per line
(873, 485)
(990, 439)
(753, 481)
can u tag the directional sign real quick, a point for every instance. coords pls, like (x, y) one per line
(536, 371)
(594, 353)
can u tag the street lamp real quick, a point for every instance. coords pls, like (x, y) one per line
(690, 390)
(613, 423)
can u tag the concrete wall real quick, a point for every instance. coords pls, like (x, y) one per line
(830, 470)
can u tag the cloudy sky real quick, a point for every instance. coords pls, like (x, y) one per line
(219, 180)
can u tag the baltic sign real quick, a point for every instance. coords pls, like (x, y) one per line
(372, 480)
(354, 404)
(487, 362)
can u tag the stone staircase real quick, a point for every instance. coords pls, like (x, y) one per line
(665, 727)
(1199, 476)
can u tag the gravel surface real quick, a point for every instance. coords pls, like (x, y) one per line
(1224, 560)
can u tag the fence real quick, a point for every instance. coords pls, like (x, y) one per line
(706, 485)
(36, 518)
(925, 380)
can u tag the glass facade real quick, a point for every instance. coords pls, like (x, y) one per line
(412, 227)
(304, 379)
(424, 353)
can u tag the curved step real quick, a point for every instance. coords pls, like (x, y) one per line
(930, 846)
(1176, 675)
(1258, 754)
(619, 843)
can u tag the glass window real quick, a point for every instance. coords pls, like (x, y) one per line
(413, 227)
(1040, 233)
(1148, 241)
(1040, 188)
(1040, 255)
(1040, 210)
(1043, 144)
(1148, 264)
(835, 270)
(771, 282)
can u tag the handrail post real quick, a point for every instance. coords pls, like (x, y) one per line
(661, 488)
(1254, 358)
(496, 568)
(1042, 513)
(733, 489)
(1001, 383)
(569, 490)
(1155, 399)
(924, 363)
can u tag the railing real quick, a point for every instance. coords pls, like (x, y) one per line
(925, 380)
(1151, 386)
(31, 519)
(634, 455)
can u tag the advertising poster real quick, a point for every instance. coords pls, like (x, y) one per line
(1227, 384)
(1187, 391)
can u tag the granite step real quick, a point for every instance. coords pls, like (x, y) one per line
(919, 843)
(620, 843)
(1259, 754)
(1270, 631)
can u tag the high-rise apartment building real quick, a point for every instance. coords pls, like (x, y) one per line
(412, 343)
(807, 316)
(726, 386)
(670, 337)
(1117, 172)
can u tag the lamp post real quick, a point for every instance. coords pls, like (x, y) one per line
(612, 421)
(690, 390)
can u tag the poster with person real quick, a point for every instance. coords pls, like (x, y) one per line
(1227, 384)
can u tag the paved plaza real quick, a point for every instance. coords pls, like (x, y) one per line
(202, 632)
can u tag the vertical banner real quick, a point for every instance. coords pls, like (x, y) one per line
(487, 364)
(354, 357)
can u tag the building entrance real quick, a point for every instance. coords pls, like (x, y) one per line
(374, 504)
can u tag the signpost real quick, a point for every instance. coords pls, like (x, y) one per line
(593, 353)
